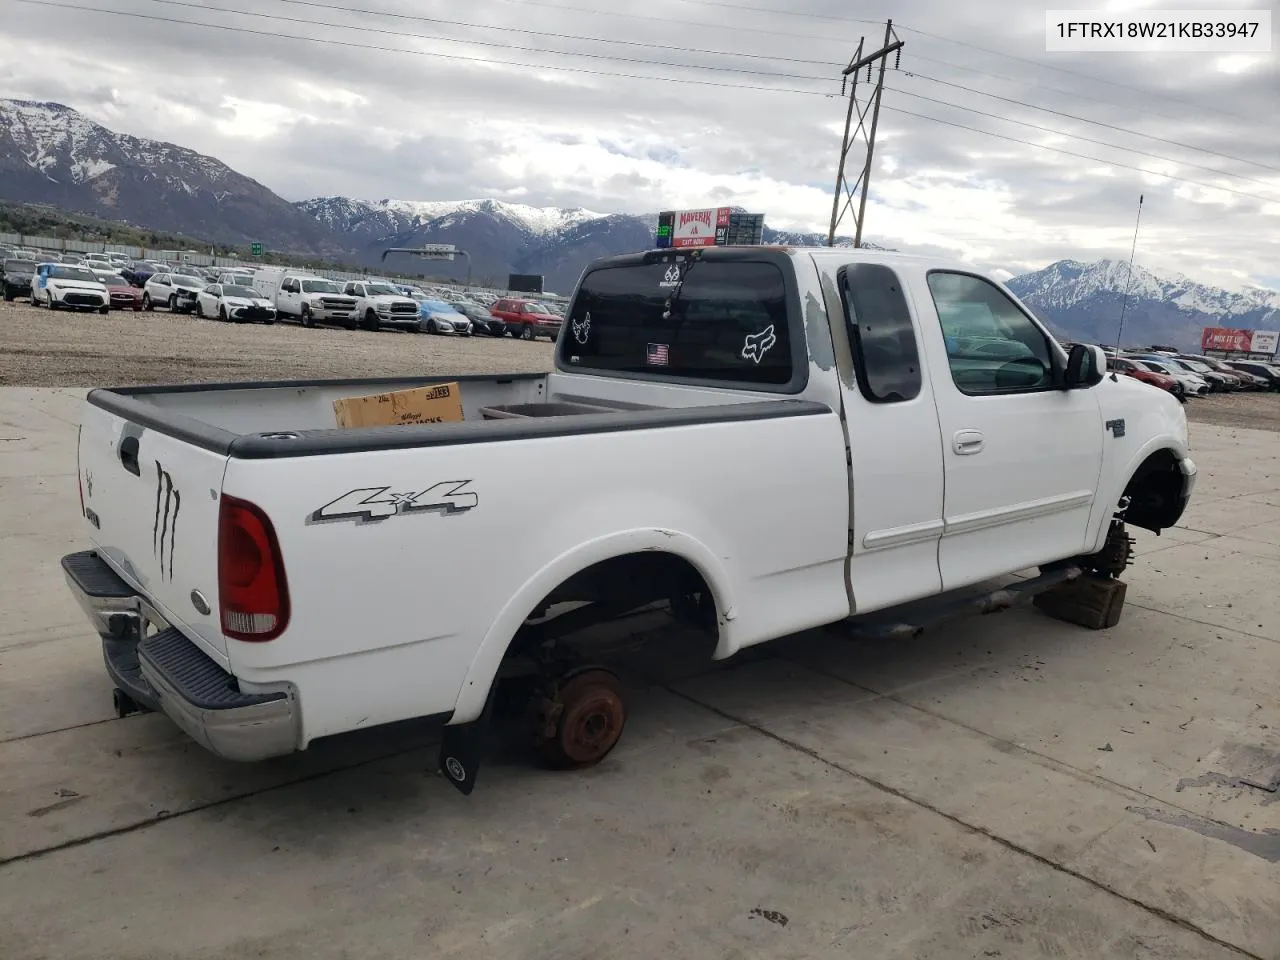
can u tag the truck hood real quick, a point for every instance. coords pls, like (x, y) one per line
(389, 299)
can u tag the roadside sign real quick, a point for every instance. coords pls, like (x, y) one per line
(712, 227)
(255, 249)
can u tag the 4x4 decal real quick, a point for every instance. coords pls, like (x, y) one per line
(369, 504)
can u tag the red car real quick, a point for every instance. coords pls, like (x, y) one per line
(123, 295)
(1131, 369)
(526, 319)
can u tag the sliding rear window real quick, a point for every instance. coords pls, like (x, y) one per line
(696, 320)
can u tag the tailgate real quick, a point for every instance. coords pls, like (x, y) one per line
(151, 504)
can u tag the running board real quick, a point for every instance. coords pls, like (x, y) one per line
(911, 619)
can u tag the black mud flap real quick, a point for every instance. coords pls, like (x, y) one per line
(464, 745)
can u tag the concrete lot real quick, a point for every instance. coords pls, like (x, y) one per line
(1008, 786)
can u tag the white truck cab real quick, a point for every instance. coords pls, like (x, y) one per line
(763, 439)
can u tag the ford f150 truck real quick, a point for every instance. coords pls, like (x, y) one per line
(768, 439)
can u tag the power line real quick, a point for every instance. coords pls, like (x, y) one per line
(1077, 73)
(429, 53)
(1043, 86)
(493, 43)
(681, 21)
(1076, 136)
(540, 33)
(1068, 153)
(1097, 123)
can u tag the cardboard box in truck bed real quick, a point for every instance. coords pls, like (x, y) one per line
(438, 403)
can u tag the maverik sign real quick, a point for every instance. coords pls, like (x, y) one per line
(710, 227)
(1227, 340)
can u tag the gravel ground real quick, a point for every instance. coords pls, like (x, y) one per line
(40, 349)
(1257, 411)
(62, 349)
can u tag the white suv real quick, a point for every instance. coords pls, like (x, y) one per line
(177, 291)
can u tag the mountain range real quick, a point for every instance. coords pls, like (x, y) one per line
(54, 155)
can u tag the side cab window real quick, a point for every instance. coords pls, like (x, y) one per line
(886, 357)
(993, 347)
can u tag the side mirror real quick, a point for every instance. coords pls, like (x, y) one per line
(1086, 365)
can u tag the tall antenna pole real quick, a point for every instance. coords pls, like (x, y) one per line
(853, 199)
(1128, 284)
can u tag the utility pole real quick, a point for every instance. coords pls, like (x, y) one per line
(843, 201)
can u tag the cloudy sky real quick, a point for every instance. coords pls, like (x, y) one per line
(696, 102)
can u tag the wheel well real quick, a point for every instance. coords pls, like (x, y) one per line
(1155, 493)
(616, 587)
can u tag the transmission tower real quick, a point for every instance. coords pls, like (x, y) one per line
(846, 196)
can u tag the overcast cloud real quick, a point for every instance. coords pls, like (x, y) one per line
(308, 118)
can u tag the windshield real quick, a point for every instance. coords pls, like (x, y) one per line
(1197, 366)
(716, 320)
(242, 279)
(72, 273)
(535, 308)
(1153, 366)
(235, 291)
(381, 289)
(319, 286)
(19, 266)
(186, 280)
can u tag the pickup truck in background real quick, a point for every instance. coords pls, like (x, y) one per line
(767, 439)
(309, 300)
(379, 304)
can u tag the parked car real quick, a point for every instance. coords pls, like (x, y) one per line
(1258, 368)
(526, 319)
(482, 321)
(1228, 380)
(240, 623)
(15, 277)
(1194, 384)
(63, 286)
(380, 304)
(227, 301)
(123, 294)
(1130, 368)
(177, 291)
(440, 317)
(1250, 381)
(311, 300)
(1215, 383)
(140, 271)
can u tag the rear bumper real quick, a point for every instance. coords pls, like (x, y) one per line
(168, 673)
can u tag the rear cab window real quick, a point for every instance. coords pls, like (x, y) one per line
(726, 318)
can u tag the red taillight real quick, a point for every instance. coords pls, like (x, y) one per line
(252, 591)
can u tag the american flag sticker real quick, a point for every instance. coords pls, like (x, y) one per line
(657, 354)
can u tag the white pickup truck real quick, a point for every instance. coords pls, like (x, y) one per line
(769, 439)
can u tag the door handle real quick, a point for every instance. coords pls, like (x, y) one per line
(967, 442)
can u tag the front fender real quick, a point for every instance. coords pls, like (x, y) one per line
(488, 657)
(1153, 421)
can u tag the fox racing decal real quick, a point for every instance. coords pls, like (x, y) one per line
(758, 344)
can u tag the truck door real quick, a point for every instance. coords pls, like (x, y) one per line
(895, 450)
(1022, 456)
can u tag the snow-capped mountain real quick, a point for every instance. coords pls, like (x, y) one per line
(52, 154)
(385, 217)
(1085, 300)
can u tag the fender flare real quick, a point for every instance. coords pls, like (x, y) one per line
(1152, 446)
(489, 654)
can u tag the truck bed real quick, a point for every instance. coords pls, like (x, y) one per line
(296, 418)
